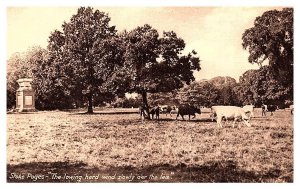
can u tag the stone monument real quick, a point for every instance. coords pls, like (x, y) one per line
(25, 96)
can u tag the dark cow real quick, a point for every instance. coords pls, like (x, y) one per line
(152, 111)
(142, 111)
(272, 108)
(188, 110)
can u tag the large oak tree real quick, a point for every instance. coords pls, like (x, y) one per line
(85, 56)
(272, 39)
(157, 64)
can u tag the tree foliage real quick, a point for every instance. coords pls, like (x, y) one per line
(156, 64)
(163, 98)
(85, 57)
(16, 69)
(24, 66)
(261, 86)
(202, 93)
(272, 38)
(124, 102)
(216, 91)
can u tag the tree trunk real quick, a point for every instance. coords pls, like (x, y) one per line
(90, 104)
(145, 104)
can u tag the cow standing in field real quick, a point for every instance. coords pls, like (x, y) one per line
(152, 111)
(166, 109)
(272, 108)
(229, 113)
(264, 109)
(142, 111)
(188, 110)
(249, 109)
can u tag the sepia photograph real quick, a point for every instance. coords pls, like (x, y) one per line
(170, 94)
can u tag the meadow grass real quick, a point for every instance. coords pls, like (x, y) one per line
(123, 144)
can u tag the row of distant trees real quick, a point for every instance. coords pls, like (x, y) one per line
(89, 62)
(253, 88)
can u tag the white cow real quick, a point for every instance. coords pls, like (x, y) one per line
(229, 113)
(166, 109)
(249, 109)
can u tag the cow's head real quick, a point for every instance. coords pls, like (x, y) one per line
(247, 122)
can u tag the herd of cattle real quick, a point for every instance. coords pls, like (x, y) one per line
(218, 113)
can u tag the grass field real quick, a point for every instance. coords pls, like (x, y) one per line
(72, 147)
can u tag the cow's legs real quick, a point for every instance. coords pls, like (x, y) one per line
(225, 123)
(189, 117)
(142, 115)
(177, 115)
(234, 122)
(219, 122)
(247, 123)
(182, 117)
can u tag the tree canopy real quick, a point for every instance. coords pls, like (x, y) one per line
(89, 61)
(261, 86)
(271, 38)
(156, 64)
(85, 56)
(216, 91)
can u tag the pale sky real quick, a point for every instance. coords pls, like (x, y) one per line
(213, 32)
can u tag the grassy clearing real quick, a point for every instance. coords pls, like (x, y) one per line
(115, 146)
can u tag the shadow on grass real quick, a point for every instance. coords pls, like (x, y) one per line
(102, 113)
(180, 119)
(210, 172)
(196, 120)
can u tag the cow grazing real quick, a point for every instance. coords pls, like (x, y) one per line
(154, 111)
(188, 110)
(272, 108)
(142, 111)
(264, 109)
(229, 113)
(249, 109)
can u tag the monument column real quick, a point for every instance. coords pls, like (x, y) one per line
(25, 99)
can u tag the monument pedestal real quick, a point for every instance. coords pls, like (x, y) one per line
(25, 96)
